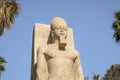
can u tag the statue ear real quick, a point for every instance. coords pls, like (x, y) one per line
(52, 36)
(66, 35)
(53, 33)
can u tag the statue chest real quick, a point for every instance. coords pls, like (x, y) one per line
(51, 53)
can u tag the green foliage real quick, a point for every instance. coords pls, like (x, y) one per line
(113, 73)
(9, 9)
(2, 67)
(117, 15)
(116, 26)
(96, 77)
(2, 60)
(117, 35)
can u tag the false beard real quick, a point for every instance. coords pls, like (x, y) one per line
(62, 42)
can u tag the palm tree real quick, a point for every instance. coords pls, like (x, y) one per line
(96, 77)
(2, 68)
(116, 27)
(113, 73)
(9, 9)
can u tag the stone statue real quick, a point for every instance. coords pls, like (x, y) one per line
(57, 59)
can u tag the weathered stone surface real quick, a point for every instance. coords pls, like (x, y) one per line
(54, 56)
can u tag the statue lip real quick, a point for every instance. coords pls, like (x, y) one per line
(62, 33)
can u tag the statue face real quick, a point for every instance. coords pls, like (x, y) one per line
(60, 31)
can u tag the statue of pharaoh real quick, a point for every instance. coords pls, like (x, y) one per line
(58, 61)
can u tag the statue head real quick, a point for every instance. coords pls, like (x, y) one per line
(59, 30)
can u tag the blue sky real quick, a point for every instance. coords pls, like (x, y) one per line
(90, 20)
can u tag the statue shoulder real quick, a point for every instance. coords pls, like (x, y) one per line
(44, 49)
(76, 52)
(73, 50)
(49, 47)
(41, 50)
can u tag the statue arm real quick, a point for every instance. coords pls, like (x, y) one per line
(77, 69)
(42, 68)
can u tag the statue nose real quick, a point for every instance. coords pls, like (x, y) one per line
(61, 30)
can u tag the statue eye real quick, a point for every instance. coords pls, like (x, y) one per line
(57, 28)
(65, 29)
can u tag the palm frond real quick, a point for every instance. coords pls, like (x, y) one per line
(117, 35)
(9, 9)
(117, 15)
(1, 27)
(12, 10)
(2, 68)
(115, 25)
(2, 60)
(2, 17)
